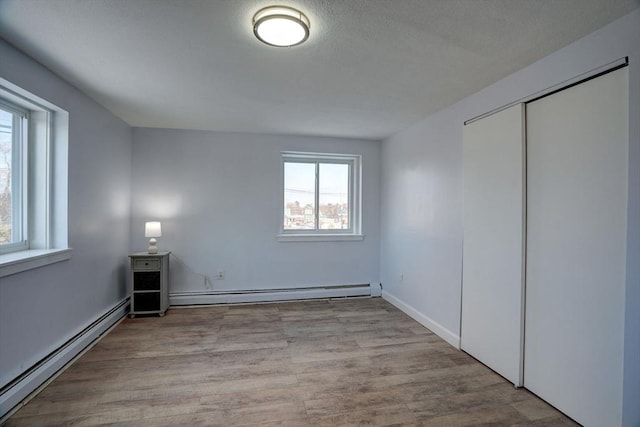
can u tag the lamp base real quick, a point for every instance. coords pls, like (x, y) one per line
(152, 249)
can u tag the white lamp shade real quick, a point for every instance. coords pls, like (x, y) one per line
(152, 229)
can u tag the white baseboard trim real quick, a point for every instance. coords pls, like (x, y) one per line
(17, 391)
(425, 321)
(269, 295)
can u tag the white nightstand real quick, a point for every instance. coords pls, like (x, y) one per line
(149, 283)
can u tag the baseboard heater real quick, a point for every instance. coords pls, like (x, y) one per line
(272, 295)
(26, 383)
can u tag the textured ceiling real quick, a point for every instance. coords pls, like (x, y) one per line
(369, 69)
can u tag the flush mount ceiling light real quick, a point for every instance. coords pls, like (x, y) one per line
(281, 26)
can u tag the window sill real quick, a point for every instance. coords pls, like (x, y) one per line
(319, 237)
(17, 262)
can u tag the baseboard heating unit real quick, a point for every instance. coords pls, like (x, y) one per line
(13, 393)
(272, 295)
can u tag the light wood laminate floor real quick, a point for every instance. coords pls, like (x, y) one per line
(338, 362)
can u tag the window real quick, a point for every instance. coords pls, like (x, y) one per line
(33, 181)
(12, 209)
(321, 196)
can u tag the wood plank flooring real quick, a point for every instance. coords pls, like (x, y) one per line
(338, 362)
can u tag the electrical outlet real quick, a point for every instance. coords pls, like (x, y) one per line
(220, 275)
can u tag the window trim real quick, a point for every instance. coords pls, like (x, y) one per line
(17, 262)
(45, 175)
(355, 198)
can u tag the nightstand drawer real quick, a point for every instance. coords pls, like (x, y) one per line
(146, 264)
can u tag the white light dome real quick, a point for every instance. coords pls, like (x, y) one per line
(281, 26)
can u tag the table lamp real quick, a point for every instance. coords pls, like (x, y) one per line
(152, 229)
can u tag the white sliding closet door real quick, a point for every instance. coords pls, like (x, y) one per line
(493, 165)
(577, 150)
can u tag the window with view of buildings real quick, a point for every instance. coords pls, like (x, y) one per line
(321, 194)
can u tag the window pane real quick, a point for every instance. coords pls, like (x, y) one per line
(334, 196)
(6, 160)
(299, 196)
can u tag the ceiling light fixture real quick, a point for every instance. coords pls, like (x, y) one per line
(281, 26)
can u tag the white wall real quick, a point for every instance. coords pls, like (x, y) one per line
(421, 222)
(182, 178)
(218, 197)
(422, 186)
(42, 308)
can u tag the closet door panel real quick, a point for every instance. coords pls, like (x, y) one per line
(577, 147)
(493, 241)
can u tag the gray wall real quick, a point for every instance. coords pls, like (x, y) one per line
(422, 193)
(42, 308)
(218, 197)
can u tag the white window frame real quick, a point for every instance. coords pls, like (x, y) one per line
(19, 206)
(44, 181)
(355, 197)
